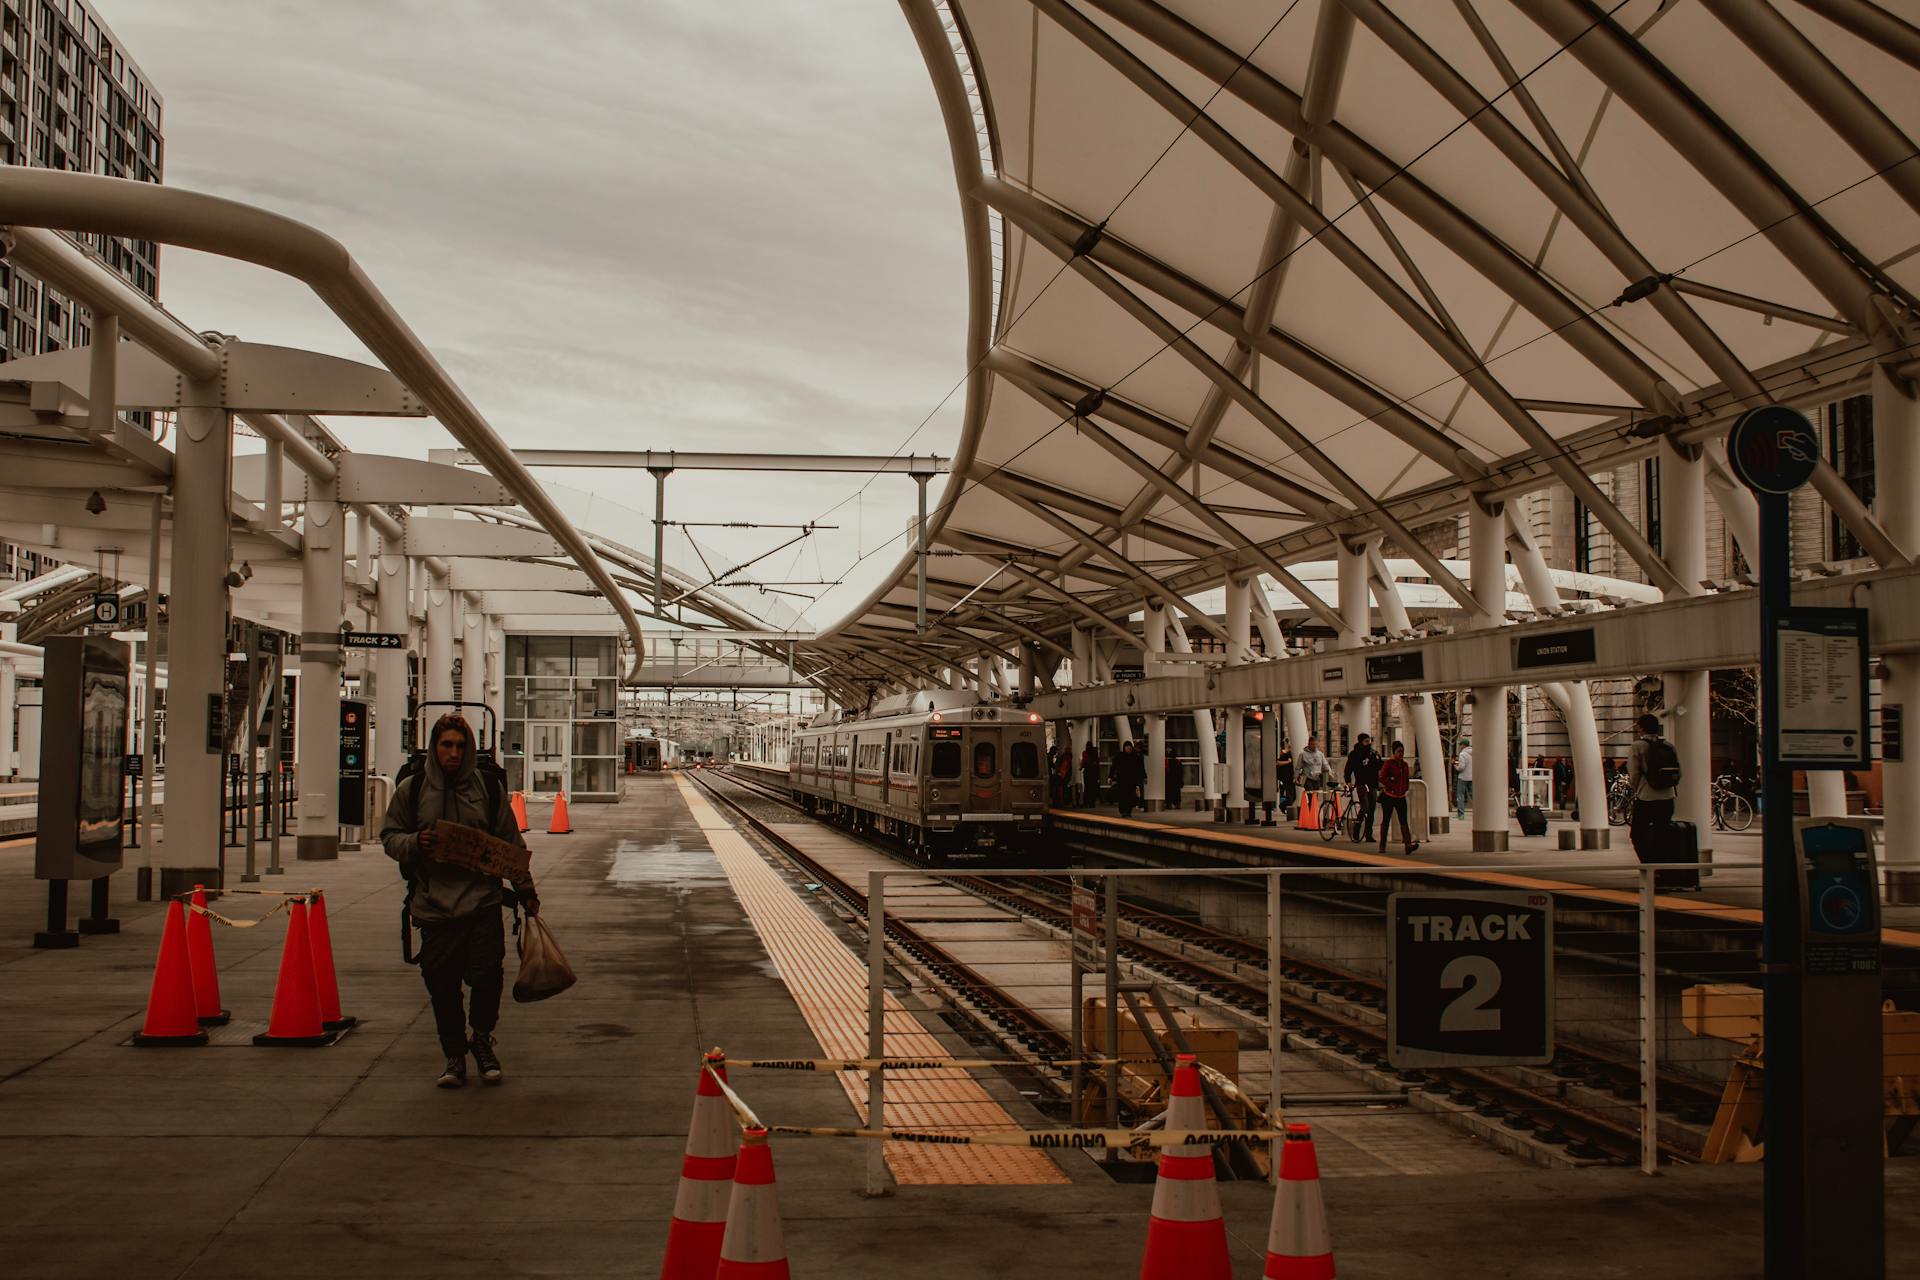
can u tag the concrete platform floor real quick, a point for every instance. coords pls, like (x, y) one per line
(245, 1162)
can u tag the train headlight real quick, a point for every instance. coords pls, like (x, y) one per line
(934, 794)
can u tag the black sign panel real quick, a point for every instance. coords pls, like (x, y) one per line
(947, 732)
(1333, 675)
(1128, 672)
(1893, 726)
(216, 725)
(1469, 978)
(134, 766)
(353, 763)
(1386, 667)
(1557, 649)
(373, 640)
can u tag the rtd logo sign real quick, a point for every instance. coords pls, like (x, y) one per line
(1469, 978)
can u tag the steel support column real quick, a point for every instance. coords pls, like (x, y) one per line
(1154, 641)
(473, 661)
(1488, 545)
(390, 665)
(323, 567)
(1683, 540)
(1239, 633)
(443, 625)
(1896, 437)
(1428, 758)
(1202, 725)
(1356, 619)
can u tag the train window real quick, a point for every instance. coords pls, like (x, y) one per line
(986, 761)
(1023, 758)
(946, 760)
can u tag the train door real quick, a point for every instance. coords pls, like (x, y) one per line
(886, 771)
(986, 772)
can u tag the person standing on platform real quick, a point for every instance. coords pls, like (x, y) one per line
(1315, 773)
(1176, 779)
(462, 938)
(1463, 779)
(1653, 772)
(1089, 776)
(1395, 781)
(1129, 776)
(1283, 768)
(1363, 771)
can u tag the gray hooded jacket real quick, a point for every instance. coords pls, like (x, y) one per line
(443, 892)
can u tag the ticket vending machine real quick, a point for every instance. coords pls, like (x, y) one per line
(1843, 1117)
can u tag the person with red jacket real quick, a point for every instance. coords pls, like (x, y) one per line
(1396, 779)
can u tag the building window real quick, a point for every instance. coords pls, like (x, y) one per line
(1582, 538)
(1850, 450)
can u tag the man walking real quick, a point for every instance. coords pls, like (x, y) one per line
(1363, 771)
(458, 911)
(1129, 776)
(1315, 773)
(1395, 781)
(1089, 776)
(1463, 779)
(1653, 773)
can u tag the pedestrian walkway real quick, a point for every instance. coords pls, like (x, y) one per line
(233, 1161)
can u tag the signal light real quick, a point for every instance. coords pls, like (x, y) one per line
(936, 717)
(1033, 717)
(1258, 716)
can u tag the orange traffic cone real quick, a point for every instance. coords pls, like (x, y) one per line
(206, 974)
(296, 996)
(706, 1182)
(171, 1019)
(520, 810)
(1186, 1237)
(754, 1247)
(326, 986)
(1298, 1246)
(560, 825)
(1309, 811)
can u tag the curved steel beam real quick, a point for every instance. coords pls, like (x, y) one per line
(170, 215)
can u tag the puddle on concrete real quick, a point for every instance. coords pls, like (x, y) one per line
(664, 865)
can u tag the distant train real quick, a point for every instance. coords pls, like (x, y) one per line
(650, 755)
(953, 778)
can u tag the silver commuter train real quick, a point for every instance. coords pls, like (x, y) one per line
(950, 776)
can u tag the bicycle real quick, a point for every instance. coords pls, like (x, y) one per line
(1619, 800)
(1732, 811)
(1340, 811)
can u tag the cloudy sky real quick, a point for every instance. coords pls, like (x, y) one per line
(670, 224)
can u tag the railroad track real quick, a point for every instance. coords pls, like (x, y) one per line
(1335, 1017)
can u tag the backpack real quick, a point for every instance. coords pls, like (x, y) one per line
(1662, 768)
(413, 774)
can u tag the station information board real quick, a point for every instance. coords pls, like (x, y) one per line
(1469, 979)
(1820, 674)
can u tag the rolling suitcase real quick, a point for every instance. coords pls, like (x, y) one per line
(1679, 843)
(1533, 820)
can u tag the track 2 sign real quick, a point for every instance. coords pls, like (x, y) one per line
(1469, 979)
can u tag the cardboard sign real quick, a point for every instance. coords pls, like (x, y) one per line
(474, 849)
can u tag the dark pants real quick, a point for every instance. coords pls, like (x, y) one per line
(1363, 796)
(1389, 806)
(1089, 788)
(1127, 796)
(469, 951)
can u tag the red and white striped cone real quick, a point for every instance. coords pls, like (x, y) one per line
(1187, 1237)
(1298, 1246)
(754, 1248)
(706, 1182)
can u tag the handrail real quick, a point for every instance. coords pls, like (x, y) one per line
(51, 199)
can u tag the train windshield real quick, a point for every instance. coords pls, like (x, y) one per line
(986, 761)
(1024, 760)
(946, 760)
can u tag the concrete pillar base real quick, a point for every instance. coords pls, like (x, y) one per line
(1600, 839)
(1490, 842)
(175, 881)
(316, 848)
(1903, 887)
(1439, 826)
(1569, 838)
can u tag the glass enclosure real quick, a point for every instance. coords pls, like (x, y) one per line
(562, 728)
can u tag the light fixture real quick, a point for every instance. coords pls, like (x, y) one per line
(95, 503)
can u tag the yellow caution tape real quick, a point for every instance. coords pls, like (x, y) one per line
(231, 923)
(741, 1111)
(914, 1064)
(1044, 1139)
(1225, 1084)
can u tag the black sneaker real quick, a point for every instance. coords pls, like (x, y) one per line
(485, 1059)
(455, 1075)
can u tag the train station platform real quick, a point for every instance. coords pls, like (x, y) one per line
(232, 1160)
(1732, 879)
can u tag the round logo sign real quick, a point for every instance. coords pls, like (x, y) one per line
(1773, 449)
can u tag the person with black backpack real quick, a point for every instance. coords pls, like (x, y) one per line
(1653, 774)
(463, 939)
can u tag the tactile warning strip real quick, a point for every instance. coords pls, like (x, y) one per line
(830, 985)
